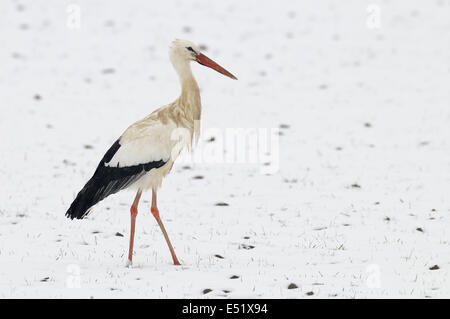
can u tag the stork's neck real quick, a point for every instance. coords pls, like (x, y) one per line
(190, 93)
(189, 100)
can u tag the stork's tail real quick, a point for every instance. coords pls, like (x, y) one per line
(106, 181)
(84, 201)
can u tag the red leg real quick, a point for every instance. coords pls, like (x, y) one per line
(134, 212)
(155, 213)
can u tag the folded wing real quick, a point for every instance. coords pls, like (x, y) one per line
(120, 167)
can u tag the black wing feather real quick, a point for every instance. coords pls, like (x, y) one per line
(107, 181)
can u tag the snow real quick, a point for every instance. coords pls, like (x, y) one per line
(359, 207)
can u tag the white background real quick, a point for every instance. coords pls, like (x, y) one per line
(365, 104)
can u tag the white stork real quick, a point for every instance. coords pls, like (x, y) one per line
(146, 151)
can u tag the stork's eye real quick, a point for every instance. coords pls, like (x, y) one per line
(191, 49)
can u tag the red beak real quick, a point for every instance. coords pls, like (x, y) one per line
(204, 60)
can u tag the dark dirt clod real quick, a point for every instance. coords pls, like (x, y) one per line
(219, 256)
(37, 97)
(206, 291)
(387, 219)
(222, 204)
(310, 293)
(234, 277)
(88, 147)
(45, 279)
(419, 229)
(108, 71)
(119, 234)
(198, 177)
(284, 126)
(292, 286)
(356, 185)
(435, 267)
(367, 124)
(247, 247)
(211, 139)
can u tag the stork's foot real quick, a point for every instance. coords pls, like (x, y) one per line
(176, 262)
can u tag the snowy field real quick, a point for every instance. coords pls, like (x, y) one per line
(358, 202)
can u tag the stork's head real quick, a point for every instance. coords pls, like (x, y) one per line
(186, 51)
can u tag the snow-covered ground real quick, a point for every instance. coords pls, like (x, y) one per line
(360, 204)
